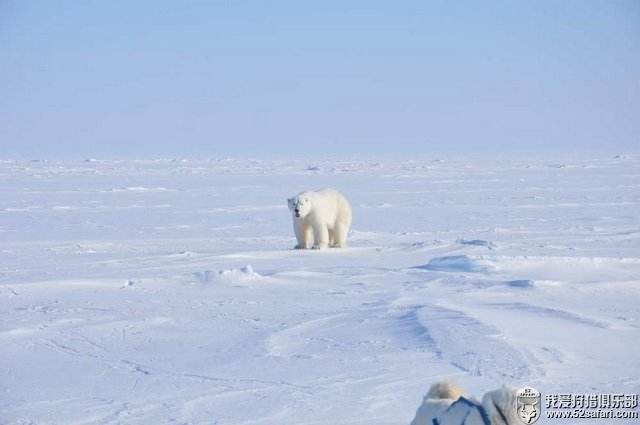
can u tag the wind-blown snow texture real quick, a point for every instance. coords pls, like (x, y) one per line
(166, 291)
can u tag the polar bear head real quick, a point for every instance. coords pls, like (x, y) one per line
(300, 205)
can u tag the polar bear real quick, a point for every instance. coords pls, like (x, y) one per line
(325, 212)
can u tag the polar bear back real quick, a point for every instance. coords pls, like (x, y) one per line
(329, 207)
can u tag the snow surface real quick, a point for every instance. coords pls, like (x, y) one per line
(167, 292)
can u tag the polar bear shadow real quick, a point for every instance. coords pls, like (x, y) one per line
(321, 219)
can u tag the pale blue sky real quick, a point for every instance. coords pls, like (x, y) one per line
(189, 78)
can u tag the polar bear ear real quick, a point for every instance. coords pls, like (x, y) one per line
(288, 200)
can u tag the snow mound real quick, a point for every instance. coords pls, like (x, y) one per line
(569, 269)
(242, 275)
(527, 270)
(456, 263)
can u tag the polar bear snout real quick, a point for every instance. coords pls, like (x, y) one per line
(300, 206)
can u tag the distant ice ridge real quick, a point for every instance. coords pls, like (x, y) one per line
(140, 189)
(528, 268)
(475, 242)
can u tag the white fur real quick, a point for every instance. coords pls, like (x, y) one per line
(437, 400)
(499, 406)
(324, 212)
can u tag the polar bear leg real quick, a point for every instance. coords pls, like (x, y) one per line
(302, 229)
(321, 237)
(340, 236)
(332, 238)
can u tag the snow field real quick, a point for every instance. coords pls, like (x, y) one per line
(166, 291)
